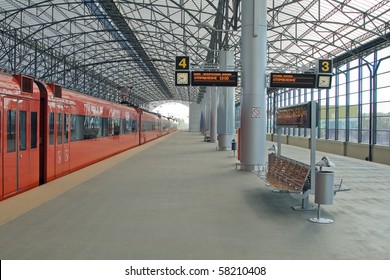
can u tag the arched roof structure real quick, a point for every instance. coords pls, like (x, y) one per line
(125, 50)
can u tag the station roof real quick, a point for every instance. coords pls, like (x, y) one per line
(125, 50)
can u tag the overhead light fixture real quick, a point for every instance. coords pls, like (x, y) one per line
(202, 46)
(207, 25)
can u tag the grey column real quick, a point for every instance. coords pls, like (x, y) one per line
(203, 116)
(253, 95)
(213, 115)
(207, 101)
(194, 118)
(225, 111)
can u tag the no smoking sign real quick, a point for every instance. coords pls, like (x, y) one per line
(255, 112)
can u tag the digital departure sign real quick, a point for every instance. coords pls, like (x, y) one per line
(214, 79)
(296, 116)
(293, 80)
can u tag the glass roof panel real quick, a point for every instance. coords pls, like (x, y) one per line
(116, 48)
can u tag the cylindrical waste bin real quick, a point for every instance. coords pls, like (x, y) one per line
(234, 145)
(324, 191)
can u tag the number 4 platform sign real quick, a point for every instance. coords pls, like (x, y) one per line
(182, 63)
(182, 73)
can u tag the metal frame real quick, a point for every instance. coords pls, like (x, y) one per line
(113, 48)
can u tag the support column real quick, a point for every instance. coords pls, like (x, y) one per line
(253, 95)
(207, 103)
(225, 120)
(195, 117)
(213, 115)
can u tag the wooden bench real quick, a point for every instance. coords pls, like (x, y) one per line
(288, 174)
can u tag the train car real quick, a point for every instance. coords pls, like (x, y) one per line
(149, 126)
(171, 125)
(48, 131)
(19, 131)
(81, 130)
(165, 124)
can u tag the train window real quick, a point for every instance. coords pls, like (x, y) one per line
(148, 126)
(128, 126)
(22, 130)
(66, 134)
(116, 128)
(11, 130)
(51, 128)
(91, 127)
(77, 127)
(110, 126)
(59, 129)
(34, 129)
(98, 121)
(134, 126)
(123, 126)
(73, 119)
(105, 127)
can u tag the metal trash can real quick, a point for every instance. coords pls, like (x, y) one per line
(324, 191)
(234, 145)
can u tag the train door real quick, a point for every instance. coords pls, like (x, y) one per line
(62, 141)
(16, 145)
(66, 145)
(140, 128)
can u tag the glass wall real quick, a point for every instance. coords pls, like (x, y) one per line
(355, 109)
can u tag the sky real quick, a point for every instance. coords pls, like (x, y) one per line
(173, 109)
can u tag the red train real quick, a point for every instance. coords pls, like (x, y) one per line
(47, 131)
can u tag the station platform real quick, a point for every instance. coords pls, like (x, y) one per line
(178, 198)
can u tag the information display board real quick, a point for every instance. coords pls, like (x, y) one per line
(293, 80)
(296, 116)
(214, 78)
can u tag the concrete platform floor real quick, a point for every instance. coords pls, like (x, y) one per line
(179, 198)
